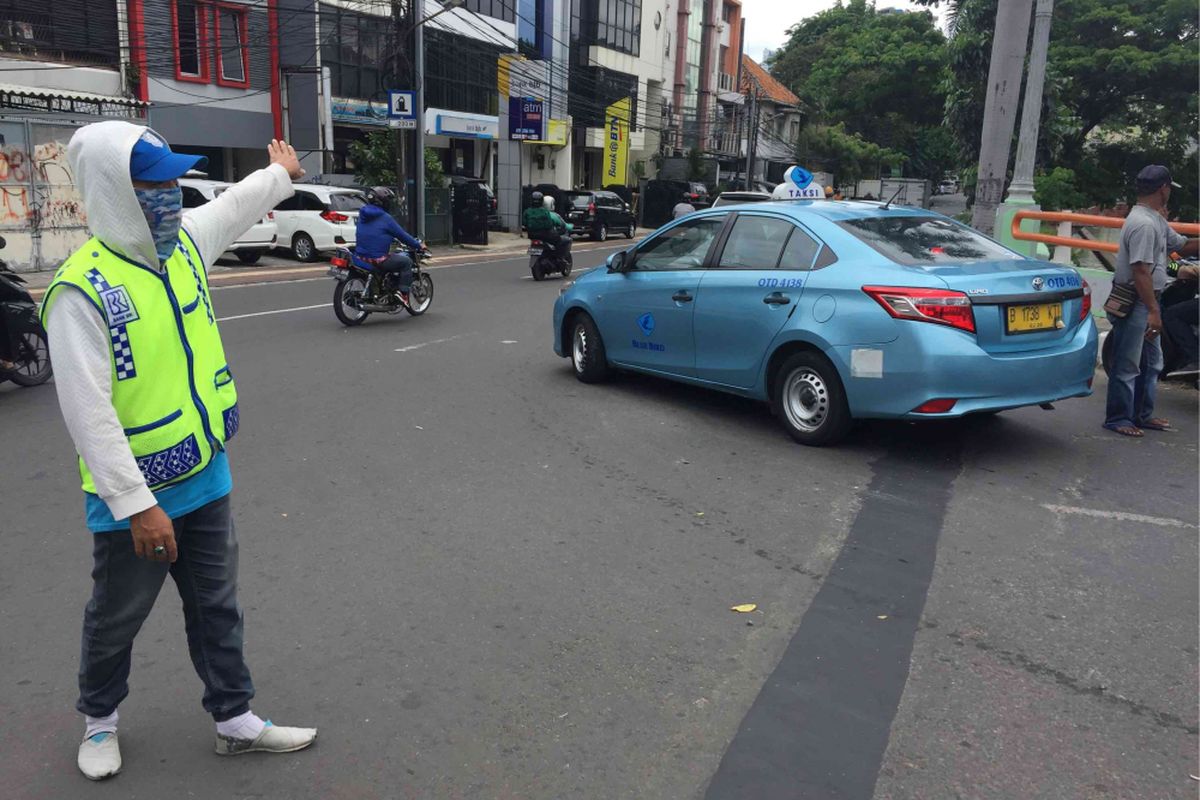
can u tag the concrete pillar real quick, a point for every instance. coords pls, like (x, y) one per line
(1021, 189)
(1003, 93)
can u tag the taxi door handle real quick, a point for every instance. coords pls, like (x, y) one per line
(682, 296)
(777, 299)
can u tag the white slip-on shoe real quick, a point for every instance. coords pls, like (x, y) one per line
(273, 739)
(99, 756)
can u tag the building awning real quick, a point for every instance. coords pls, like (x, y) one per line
(46, 100)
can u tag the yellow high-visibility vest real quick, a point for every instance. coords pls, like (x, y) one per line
(171, 386)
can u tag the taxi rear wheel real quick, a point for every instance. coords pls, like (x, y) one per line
(587, 350)
(808, 398)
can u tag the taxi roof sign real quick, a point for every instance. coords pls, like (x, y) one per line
(798, 184)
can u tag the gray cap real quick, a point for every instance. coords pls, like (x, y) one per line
(1153, 178)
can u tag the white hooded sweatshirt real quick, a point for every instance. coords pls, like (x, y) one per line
(78, 335)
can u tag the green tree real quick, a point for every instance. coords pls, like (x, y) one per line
(879, 78)
(831, 148)
(1121, 89)
(375, 161)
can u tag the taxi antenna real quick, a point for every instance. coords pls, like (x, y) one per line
(892, 199)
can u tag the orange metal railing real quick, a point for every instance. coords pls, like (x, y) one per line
(1185, 228)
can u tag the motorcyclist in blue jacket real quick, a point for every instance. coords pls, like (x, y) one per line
(374, 233)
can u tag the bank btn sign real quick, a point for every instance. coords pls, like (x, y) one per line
(798, 184)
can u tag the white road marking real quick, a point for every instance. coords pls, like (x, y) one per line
(426, 344)
(1123, 516)
(275, 311)
(508, 341)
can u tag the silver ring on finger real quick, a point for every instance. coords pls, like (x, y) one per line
(159, 550)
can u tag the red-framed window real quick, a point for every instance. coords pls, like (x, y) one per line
(189, 27)
(232, 52)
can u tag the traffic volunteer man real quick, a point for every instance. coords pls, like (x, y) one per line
(150, 402)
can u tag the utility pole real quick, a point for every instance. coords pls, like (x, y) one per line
(402, 22)
(419, 149)
(1004, 90)
(751, 135)
(1021, 189)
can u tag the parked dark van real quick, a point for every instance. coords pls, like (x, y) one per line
(598, 214)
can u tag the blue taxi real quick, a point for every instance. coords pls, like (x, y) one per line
(833, 311)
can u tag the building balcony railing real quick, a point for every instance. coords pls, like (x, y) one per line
(726, 82)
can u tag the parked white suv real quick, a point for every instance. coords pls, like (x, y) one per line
(250, 245)
(318, 218)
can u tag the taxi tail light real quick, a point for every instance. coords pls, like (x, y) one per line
(937, 406)
(271, 215)
(591, 208)
(1085, 307)
(333, 216)
(940, 306)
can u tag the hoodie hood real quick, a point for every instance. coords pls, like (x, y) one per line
(99, 156)
(370, 212)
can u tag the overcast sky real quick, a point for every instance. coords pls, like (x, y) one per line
(768, 20)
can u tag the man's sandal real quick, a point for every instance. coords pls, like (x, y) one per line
(1157, 424)
(1127, 430)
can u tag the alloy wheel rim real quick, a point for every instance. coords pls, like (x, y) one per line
(579, 348)
(34, 354)
(806, 399)
(302, 248)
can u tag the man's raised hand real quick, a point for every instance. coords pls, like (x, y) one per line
(280, 152)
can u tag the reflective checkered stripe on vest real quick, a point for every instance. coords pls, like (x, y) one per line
(172, 388)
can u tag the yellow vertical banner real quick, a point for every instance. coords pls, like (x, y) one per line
(616, 146)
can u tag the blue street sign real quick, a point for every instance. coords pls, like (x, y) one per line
(526, 118)
(402, 104)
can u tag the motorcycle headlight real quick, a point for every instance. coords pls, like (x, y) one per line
(563, 289)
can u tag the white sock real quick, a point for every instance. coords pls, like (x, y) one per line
(100, 725)
(243, 726)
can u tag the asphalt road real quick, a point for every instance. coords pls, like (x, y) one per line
(483, 579)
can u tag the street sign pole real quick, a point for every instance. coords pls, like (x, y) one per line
(419, 111)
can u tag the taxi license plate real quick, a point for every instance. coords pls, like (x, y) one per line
(1032, 318)
(340, 274)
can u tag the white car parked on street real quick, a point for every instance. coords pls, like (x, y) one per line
(318, 218)
(250, 245)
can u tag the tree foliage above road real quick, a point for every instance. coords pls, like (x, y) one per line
(868, 79)
(1121, 90)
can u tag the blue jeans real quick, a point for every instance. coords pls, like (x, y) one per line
(1137, 361)
(124, 588)
(402, 265)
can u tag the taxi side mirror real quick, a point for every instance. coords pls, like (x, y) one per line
(616, 262)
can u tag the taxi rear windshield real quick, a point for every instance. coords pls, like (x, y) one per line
(580, 200)
(922, 241)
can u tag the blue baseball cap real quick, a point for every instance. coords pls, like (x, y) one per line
(1153, 178)
(153, 161)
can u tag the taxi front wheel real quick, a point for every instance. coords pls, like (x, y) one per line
(808, 398)
(587, 350)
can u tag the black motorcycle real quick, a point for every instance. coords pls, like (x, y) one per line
(362, 290)
(1180, 291)
(544, 259)
(22, 338)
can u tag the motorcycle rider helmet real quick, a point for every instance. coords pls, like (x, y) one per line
(536, 197)
(548, 202)
(380, 196)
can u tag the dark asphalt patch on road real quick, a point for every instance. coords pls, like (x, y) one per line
(820, 725)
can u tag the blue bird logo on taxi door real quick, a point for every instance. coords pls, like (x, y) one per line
(646, 323)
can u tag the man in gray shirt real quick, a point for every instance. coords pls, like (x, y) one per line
(1146, 244)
